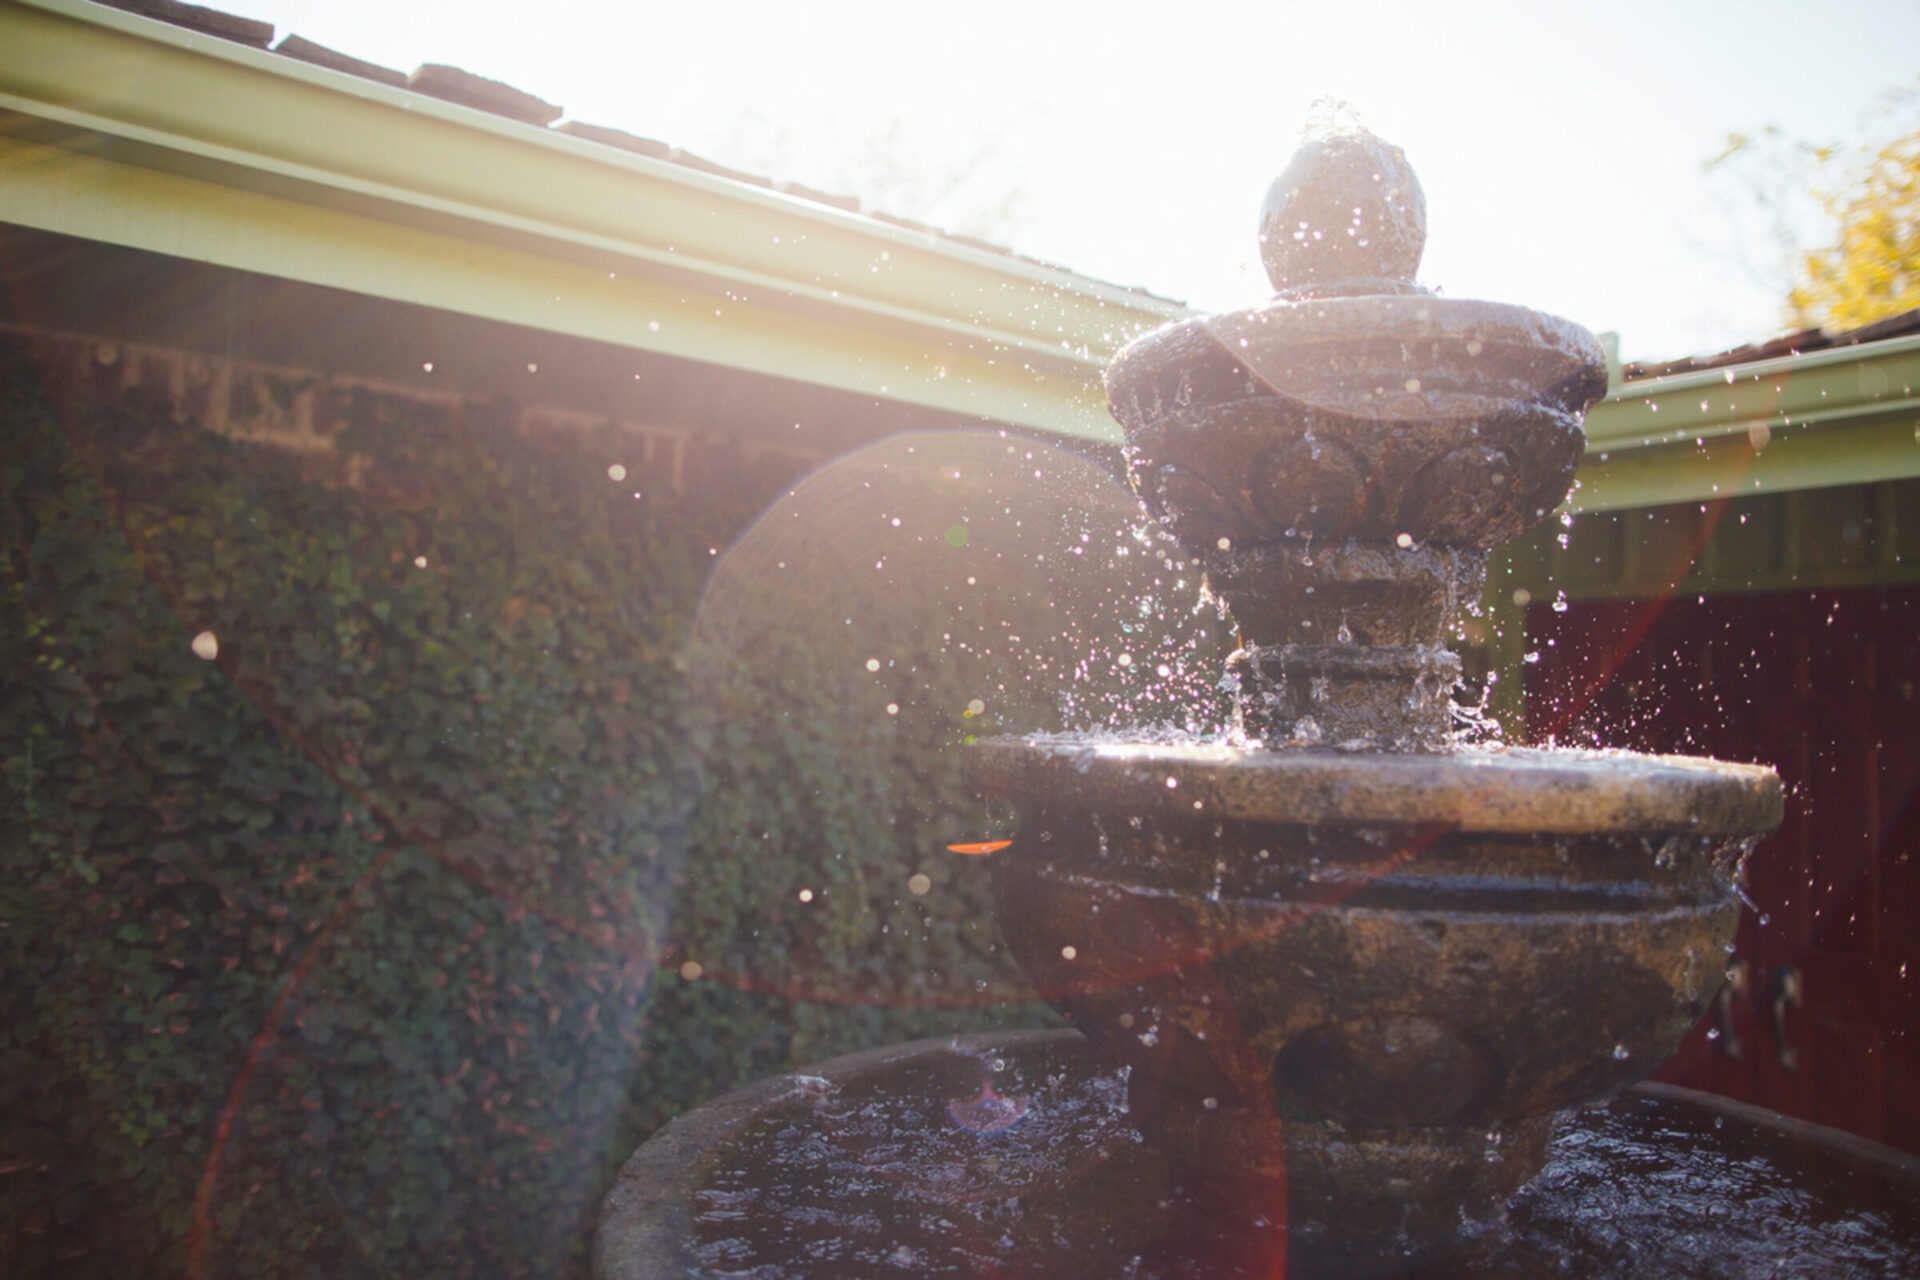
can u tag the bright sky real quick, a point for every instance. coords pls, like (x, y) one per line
(1560, 144)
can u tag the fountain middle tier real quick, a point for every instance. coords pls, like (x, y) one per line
(1340, 973)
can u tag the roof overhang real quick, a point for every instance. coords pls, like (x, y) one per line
(128, 131)
(1839, 416)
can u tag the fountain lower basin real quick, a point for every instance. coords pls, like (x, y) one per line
(1336, 974)
(873, 1165)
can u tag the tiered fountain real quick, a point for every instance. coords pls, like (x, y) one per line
(1345, 986)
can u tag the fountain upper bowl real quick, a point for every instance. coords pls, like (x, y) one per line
(1520, 790)
(1387, 357)
(1369, 417)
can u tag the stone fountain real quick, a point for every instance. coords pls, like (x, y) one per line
(1346, 986)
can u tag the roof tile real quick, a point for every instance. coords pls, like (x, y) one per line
(301, 49)
(1792, 344)
(195, 17)
(705, 165)
(615, 138)
(451, 84)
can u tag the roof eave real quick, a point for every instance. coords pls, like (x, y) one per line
(1845, 415)
(126, 130)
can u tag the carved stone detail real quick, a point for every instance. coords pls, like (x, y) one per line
(1359, 423)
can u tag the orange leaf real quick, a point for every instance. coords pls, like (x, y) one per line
(979, 847)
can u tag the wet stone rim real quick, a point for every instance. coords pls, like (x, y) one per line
(1515, 790)
(647, 1229)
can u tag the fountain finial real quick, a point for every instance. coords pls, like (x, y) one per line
(1346, 216)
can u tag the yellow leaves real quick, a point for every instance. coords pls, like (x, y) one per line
(1874, 270)
(1736, 143)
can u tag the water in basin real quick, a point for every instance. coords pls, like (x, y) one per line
(887, 1170)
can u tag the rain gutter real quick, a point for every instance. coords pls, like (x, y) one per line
(129, 131)
(1839, 416)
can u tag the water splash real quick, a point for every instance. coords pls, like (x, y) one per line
(1331, 117)
(987, 1111)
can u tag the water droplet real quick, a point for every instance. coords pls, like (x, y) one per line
(987, 1111)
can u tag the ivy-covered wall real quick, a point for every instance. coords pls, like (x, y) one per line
(363, 895)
